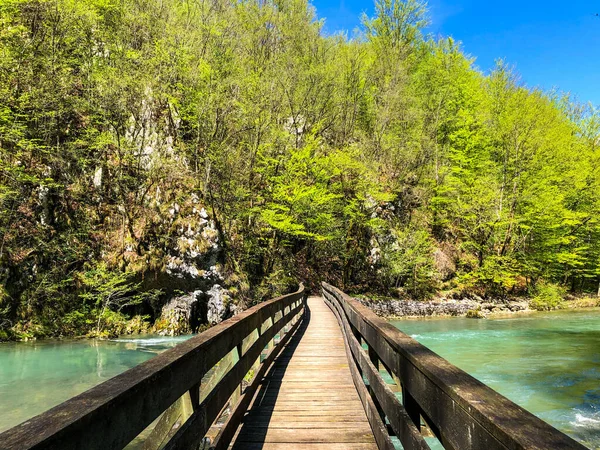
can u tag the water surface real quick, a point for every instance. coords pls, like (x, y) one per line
(548, 363)
(35, 376)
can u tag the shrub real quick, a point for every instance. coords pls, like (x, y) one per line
(497, 276)
(547, 296)
(6, 335)
(475, 314)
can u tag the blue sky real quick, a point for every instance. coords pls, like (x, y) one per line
(551, 44)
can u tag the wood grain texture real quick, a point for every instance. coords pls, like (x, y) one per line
(110, 415)
(378, 399)
(448, 399)
(308, 399)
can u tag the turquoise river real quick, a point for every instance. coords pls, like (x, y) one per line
(35, 376)
(549, 363)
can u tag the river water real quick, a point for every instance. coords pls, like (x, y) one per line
(548, 363)
(35, 376)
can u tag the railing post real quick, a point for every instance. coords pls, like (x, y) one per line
(376, 362)
(295, 318)
(169, 422)
(397, 387)
(412, 407)
(373, 357)
(286, 327)
(257, 362)
(271, 343)
(238, 390)
(195, 395)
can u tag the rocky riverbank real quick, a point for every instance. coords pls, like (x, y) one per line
(395, 308)
(476, 308)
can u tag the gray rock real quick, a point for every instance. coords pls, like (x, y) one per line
(444, 264)
(180, 315)
(400, 308)
(217, 307)
(410, 308)
(195, 255)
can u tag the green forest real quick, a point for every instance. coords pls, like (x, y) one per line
(153, 149)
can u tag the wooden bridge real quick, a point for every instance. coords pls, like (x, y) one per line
(291, 373)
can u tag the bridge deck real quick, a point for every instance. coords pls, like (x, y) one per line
(308, 399)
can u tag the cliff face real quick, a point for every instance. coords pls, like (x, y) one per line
(193, 264)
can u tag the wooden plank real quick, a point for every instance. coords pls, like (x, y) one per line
(449, 399)
(298, 397)
(314, 423)
(338, 399)
(357, 434)
(306, 446)
(301, 386)
(309, 398)
(111, 414)
(322, 409)
(271, 412)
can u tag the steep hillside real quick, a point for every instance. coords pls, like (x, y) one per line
(178, 160)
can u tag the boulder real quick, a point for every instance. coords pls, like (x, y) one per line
(180, 315)
(217, 305)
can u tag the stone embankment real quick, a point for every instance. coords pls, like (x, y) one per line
(394, 308)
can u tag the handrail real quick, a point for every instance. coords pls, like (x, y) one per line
(462, 412)
(112, 414)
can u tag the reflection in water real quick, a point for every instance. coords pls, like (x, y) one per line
(548, 363)
(35, 376)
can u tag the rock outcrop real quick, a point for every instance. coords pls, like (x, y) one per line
(180, 315)
(218, 305)
(194, 273)
(401, 308)
(443, 307)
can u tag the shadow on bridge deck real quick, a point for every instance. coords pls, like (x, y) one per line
(307, 399)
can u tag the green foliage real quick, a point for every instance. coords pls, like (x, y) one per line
(316, 157)
(547, 296)
(76, 323)
(408, 262)
(106, 293)
(302, 199)
(397, 22)
(497, 275)
(276, 284)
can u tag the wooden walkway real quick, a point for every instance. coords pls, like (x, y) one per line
(308, 399)
(318, 388)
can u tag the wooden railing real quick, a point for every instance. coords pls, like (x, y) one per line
(173, 400)
(433, 395)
